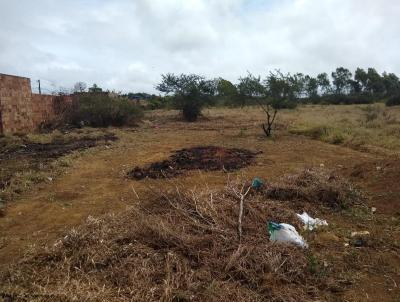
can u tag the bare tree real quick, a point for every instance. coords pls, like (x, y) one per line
(271, 114)
(80, 87)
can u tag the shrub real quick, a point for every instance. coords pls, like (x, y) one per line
(393, 101)
(190, 93)
(100, 110)
(157, 102)
(337, 99)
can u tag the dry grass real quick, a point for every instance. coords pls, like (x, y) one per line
(178, 245)
(317, 187)
(373, 128)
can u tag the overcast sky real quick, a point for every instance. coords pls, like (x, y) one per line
(126, 44)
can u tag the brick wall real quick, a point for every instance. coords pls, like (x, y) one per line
(15, 104)
(22, 111)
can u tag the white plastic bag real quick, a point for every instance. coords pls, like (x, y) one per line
(285, 233)
(311, 223)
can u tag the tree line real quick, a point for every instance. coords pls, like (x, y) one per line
(190, 92)
(342, 86)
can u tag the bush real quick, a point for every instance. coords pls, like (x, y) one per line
(343, 99)
(393, 101)
(100, 110)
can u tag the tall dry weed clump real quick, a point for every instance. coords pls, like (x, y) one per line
(179, 245)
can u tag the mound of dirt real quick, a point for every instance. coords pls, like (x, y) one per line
(317, 187)
(208, 158)
(176, 246)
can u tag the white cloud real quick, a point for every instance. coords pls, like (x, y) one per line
(126, 45)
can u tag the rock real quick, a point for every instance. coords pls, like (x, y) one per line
(359, 242)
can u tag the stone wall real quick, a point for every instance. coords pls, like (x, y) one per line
(22, 111)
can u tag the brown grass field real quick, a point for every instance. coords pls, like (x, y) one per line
(75, 228)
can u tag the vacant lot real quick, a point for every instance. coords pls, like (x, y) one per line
(166, 240)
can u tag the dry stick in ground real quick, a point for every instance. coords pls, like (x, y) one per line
(241, 197)
(270, 118)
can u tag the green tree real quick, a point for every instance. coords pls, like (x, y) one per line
(392, 84)
(311, 87)
(375, 84)
(341, 80)
(278, 86)
(190, 93)
(296, 84)
(228, 92)
(324, 83)
(95, 89)
(361, 77)
(249, 87)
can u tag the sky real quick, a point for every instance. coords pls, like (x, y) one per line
(125, 45)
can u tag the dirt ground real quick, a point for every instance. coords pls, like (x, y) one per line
(95, 183)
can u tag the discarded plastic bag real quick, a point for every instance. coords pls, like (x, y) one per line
(257, 183)
(311, 223)
(285, 233)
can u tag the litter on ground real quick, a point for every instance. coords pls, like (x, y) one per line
(311, 223)
(285, 233)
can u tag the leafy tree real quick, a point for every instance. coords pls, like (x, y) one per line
(95, 89)
(227, 91)
(251, 86)
(277, 86)
(375, 84)
(341, 80)
(392, 84)
(296, 85)
(361, 77)
(225, 88)
(80, 87)
(274, 93)
(324, 83)
(355, 87)
(311, 87)
(190, 93)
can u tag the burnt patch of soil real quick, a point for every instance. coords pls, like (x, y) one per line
(207, 158)
(53, 149)
(21, 155)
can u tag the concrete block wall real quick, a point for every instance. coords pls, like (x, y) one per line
(15, 104)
